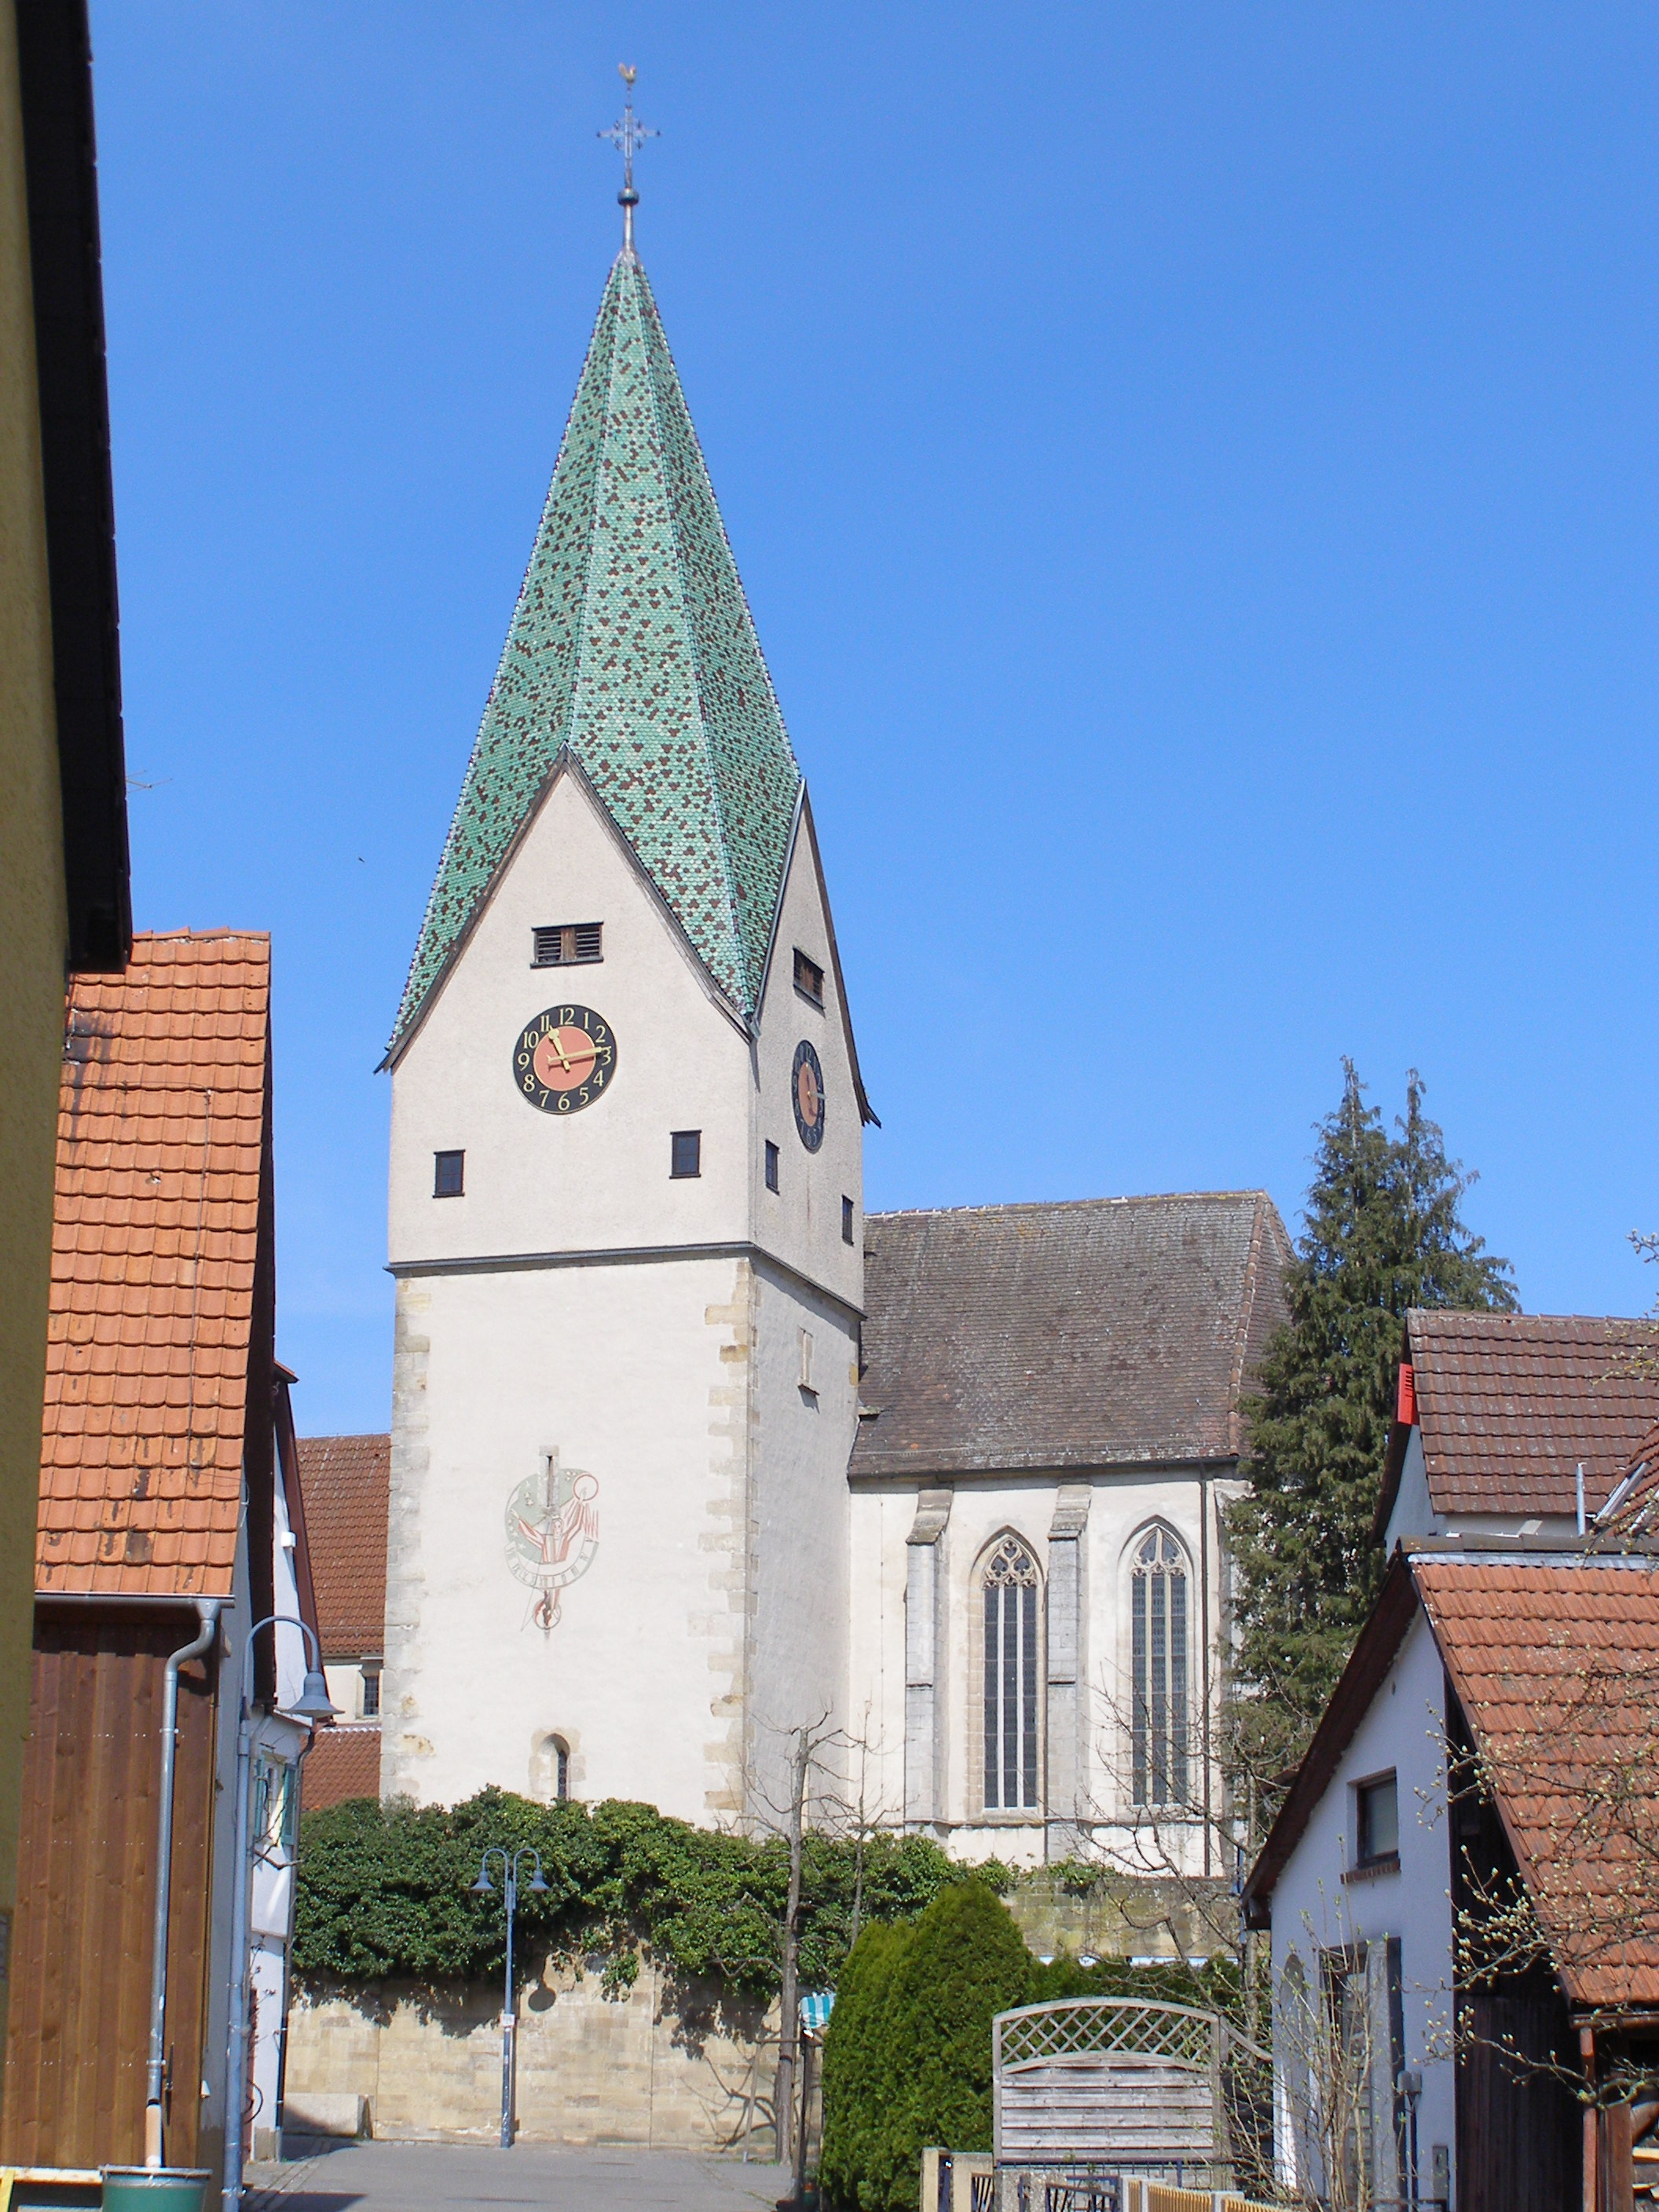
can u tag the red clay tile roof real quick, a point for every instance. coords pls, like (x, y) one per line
(1101, 1332)
(343, 1761)
(345, 1483)
(1556, 1667)
(1509, 1403)
(163, 1127)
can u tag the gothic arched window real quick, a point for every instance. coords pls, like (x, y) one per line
(1012, 1595)
(1158, 1664)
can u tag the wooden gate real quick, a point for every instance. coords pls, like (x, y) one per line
(1114, 2084)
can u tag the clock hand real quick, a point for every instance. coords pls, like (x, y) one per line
(558, 1049)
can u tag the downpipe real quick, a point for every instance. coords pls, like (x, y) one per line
(207, 1611)
(236, 2058)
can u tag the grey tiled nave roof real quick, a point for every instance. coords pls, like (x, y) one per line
(1100, 1332)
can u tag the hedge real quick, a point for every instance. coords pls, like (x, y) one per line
(383, 1892)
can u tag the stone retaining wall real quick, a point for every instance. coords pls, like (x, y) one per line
(662, 2066)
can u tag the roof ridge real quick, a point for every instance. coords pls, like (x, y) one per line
(1053, 1205)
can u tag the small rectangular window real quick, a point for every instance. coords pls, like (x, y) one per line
(371, 1693)
(687, 1153)
(448, 1174)
(771, 1166)
(568, 944)
(846, 1221)
(806, 1383)
(1378, 1810)
(809, 978)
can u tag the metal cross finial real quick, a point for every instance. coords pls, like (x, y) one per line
(628, 136)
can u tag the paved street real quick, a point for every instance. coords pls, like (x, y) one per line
(443, 2178)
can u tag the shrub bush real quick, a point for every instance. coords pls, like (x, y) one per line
(383, 1891)
(913, 2066)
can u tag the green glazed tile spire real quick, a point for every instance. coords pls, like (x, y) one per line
(633, 645)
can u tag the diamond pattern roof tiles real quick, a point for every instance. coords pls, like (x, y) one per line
(163, 1122)
(632, 651)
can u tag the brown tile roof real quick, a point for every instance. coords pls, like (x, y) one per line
(345, 1482)
(343, 1761)
(1556, 1668)
(162, 1138)
(1105, 1332)
(1509, 1403)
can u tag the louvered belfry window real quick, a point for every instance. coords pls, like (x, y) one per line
(1159, 1656)
(568, 944)
(1013, 1596)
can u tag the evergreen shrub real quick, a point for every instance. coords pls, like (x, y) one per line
(906, 2060)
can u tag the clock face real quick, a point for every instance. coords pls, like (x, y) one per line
(808, 1087)
(564, 1058)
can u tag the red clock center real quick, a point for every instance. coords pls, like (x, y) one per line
(565, 1058)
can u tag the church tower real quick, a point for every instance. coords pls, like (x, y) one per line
(626, 1218)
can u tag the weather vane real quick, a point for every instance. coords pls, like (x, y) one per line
(628, 137)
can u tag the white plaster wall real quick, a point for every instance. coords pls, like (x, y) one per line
(800, 1222)
(801, 1440)
(1121, 1508)
(1315, 1909)
(597, 1179)
(627, 1370)
(879, 1520)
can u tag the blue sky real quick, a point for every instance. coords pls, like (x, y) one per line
(1193, 468)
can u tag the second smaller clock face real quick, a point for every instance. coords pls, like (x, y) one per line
(564, 1058)
(808, 1089)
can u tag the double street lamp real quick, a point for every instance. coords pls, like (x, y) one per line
(483, 1887)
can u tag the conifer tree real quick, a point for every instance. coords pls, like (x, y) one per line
(1383, 1232)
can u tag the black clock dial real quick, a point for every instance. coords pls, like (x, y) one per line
(807, 1089)
(564, 1058)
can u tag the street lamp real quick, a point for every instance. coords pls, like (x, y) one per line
(484, 1887)
(312, 1705)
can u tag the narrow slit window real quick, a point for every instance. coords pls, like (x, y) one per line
(809, 978)
(567, 945)
(371, 1691)
(771, 1166)
(846, 1221)
(685, 1153)
(806, 1382)
(561, 1770)
(448, 1174)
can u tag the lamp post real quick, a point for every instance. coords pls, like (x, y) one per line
(484, 1887)
(312, 1705)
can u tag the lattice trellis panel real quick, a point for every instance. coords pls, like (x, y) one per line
(1091, 2027)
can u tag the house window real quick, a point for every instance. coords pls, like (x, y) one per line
(846, 1221)
(275, 1806)
(448, 1174)
(806, 1382)
(809, 978)
(1158, 1719)
(685, 1153)
(771, 1166)
(1012, 1595)
(567, 945)
(561, 1751)
(1376, 1805)
(371, 1700)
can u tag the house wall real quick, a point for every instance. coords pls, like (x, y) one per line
(78, 2033)
(33, 952)
(1317, 1911)
(936, 1778)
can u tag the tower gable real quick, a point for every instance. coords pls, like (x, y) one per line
(631, 645)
